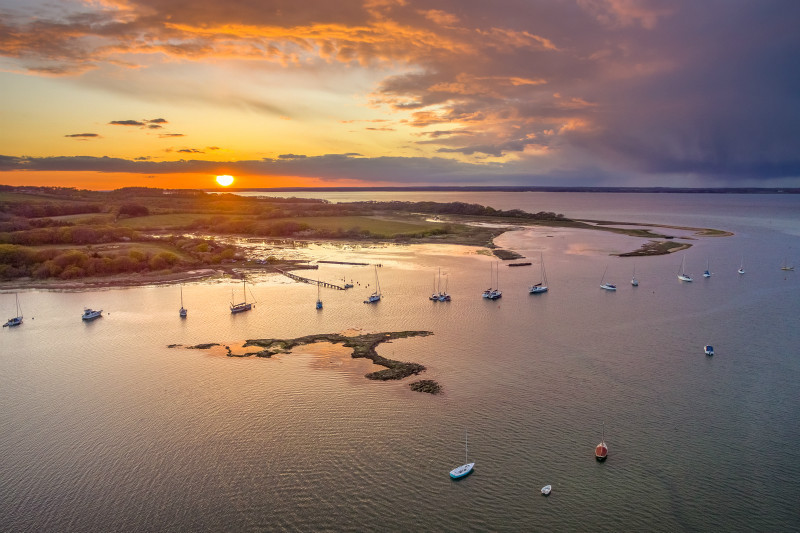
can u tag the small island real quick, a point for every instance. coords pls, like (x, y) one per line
(363, 347)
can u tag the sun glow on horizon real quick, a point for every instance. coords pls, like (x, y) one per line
(225, 180)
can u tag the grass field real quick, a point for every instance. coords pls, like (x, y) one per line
(375, 225)
(168, 221)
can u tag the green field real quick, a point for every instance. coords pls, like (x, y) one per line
(375, 225)
(167, 221)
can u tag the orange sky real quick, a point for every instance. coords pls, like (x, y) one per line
(112, 93)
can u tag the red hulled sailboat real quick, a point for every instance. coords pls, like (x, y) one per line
(601, 450)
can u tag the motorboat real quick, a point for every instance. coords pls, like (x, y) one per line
(708, 349)
(91, 314)
(546, 490)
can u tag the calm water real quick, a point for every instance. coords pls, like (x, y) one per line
(104, 428)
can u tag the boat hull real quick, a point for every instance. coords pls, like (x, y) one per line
(16, 321)
(240, 308)
(89, 314)
(462, 471)
(601, 452)
(546, 490)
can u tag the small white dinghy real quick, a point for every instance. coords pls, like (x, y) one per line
(546, 490)
(465, 469)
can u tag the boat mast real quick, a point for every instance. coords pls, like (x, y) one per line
(466, 447)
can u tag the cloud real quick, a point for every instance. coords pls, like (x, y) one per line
(152, 124)
(138, 123)
(652, 88)
(168, 135)
(83, 136)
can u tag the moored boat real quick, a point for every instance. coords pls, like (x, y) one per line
(708, 349)
(465, 469)
(375, 297)
(540, 287)
(601, 450)
(243, 305)
(604, 284)
(91, 314)
(182, 312)
(682, 275)
(17, 320)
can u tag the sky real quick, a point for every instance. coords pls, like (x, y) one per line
(103, 94)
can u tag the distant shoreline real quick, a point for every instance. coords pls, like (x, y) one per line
(500, 188)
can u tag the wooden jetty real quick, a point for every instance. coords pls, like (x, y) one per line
(342, 263)
(301, 279)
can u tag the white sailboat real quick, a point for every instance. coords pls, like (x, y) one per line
(244, 305)
(786, 266)
(706, 272)
(540, 287)
(682, 275)
(741, 267)
(16, 320)
(465, 469)
(490, 293)
(434, 294)
(183, 310)
(443, 295)
(319, 300)
(634, 281)
(604, 284)
(375, 297)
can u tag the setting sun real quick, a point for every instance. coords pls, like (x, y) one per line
(225, 180)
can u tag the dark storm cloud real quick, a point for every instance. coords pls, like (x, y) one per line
(657, 89)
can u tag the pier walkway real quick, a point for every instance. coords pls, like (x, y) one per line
(310, 281)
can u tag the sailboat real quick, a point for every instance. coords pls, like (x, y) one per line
(634, 281)
(443, 296)
(682, 275)
(540, 287)
(319, 300)
(786, 266)
(183, 310)
(465, 469)
(244, 305)
(17, 320)
(375, 297)
(434, 294)
(706, 272)
(604, 284)
(741, 267)
(601, 450)
(490, 293)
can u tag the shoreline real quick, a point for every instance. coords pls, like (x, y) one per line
(482, 237)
